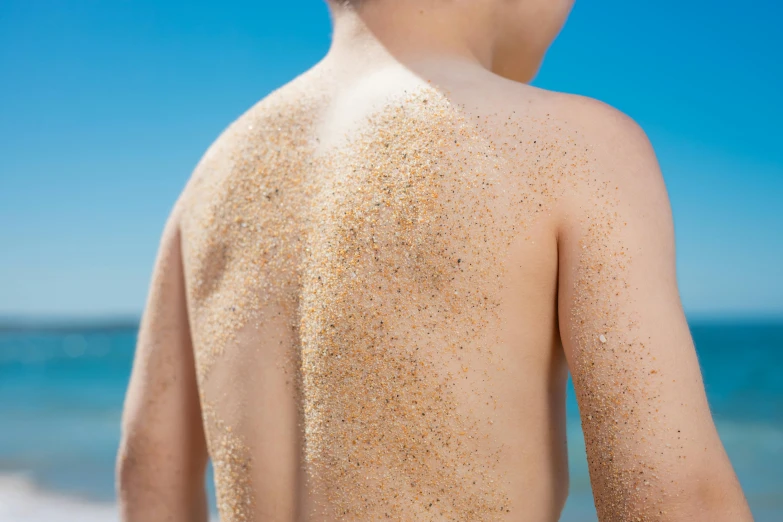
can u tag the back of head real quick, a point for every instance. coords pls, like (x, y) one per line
(511, 35)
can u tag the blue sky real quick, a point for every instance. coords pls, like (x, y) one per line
(105, 108)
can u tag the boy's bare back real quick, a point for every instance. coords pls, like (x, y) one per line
(371, 291)
(361, 279)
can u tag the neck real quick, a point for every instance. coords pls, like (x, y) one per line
(413, 30)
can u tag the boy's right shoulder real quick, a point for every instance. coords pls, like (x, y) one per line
(611, 135)
(600, 140)
(593, 119)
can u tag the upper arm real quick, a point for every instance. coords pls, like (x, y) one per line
(163, 455)
(653, 450)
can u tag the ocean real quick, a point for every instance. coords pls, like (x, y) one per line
(61, 393)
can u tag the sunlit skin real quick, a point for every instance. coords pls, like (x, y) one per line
(368, 297)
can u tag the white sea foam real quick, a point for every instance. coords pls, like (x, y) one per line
(21, 500)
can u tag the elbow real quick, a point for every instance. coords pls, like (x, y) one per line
(138, 473)
(129, 472)
(716, 498)
(155, 484)
(723, 501)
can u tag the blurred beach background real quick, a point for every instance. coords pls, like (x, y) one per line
(105, 108)
(61, 393)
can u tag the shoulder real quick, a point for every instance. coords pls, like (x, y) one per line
(612, 137)
(606, 147)
(257, 140)
(615, 147)
(597, 153)
(613, 173)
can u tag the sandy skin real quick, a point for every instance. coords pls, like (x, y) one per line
(369, 295)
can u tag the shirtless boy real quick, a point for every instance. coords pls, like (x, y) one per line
(369, 295)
